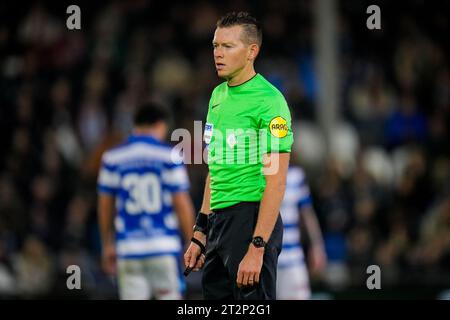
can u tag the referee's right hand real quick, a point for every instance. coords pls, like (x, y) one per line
(194, 251)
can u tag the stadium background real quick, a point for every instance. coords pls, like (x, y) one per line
(377, 157)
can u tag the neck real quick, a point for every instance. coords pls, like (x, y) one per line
(147, 132)
(246, 74)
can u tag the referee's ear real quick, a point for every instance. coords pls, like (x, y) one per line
(253, 51)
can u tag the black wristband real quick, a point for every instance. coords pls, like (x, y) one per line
(202, 222)
(198, 242)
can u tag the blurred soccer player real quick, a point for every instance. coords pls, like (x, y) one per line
(293, 279)
(145, 185)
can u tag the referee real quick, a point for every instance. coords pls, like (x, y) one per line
(249, 138)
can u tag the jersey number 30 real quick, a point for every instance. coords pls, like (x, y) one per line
(144, 193)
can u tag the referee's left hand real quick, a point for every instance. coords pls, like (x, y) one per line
(250, 267)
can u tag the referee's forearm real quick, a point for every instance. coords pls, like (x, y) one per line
(273, 194)
(269, 209)
(206, 203)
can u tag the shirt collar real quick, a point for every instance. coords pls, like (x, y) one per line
(243, 84)
(143, 138)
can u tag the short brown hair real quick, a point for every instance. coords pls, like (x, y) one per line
(251, 27)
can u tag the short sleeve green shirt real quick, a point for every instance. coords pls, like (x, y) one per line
(244, 122)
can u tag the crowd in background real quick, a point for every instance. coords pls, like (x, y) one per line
(381, 188)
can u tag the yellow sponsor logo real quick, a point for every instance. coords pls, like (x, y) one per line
(278, 127)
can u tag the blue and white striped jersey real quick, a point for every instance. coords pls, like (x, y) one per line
(142, 175)
(296, 196)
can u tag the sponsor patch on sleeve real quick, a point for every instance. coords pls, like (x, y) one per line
(278, 127)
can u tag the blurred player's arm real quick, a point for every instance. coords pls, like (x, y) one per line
(316, 255)
(185, 212)
(193, 252)
(106, 211)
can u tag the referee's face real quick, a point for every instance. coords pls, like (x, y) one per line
(231, 54)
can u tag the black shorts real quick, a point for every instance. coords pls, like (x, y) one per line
(230, 233)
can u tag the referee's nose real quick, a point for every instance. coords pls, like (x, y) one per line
(218, 53)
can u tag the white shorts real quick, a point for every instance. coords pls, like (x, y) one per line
(142, 279)
(293, 283)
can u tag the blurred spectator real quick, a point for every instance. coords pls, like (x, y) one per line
(7, 278)
(34, 269)
(407, 124)
(371, 101)
(12, 210)
(434, 244)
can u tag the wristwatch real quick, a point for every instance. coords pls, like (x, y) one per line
(258, 242)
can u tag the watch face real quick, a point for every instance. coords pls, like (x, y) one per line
(258, 242)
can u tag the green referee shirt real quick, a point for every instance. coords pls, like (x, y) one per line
(244, 122)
